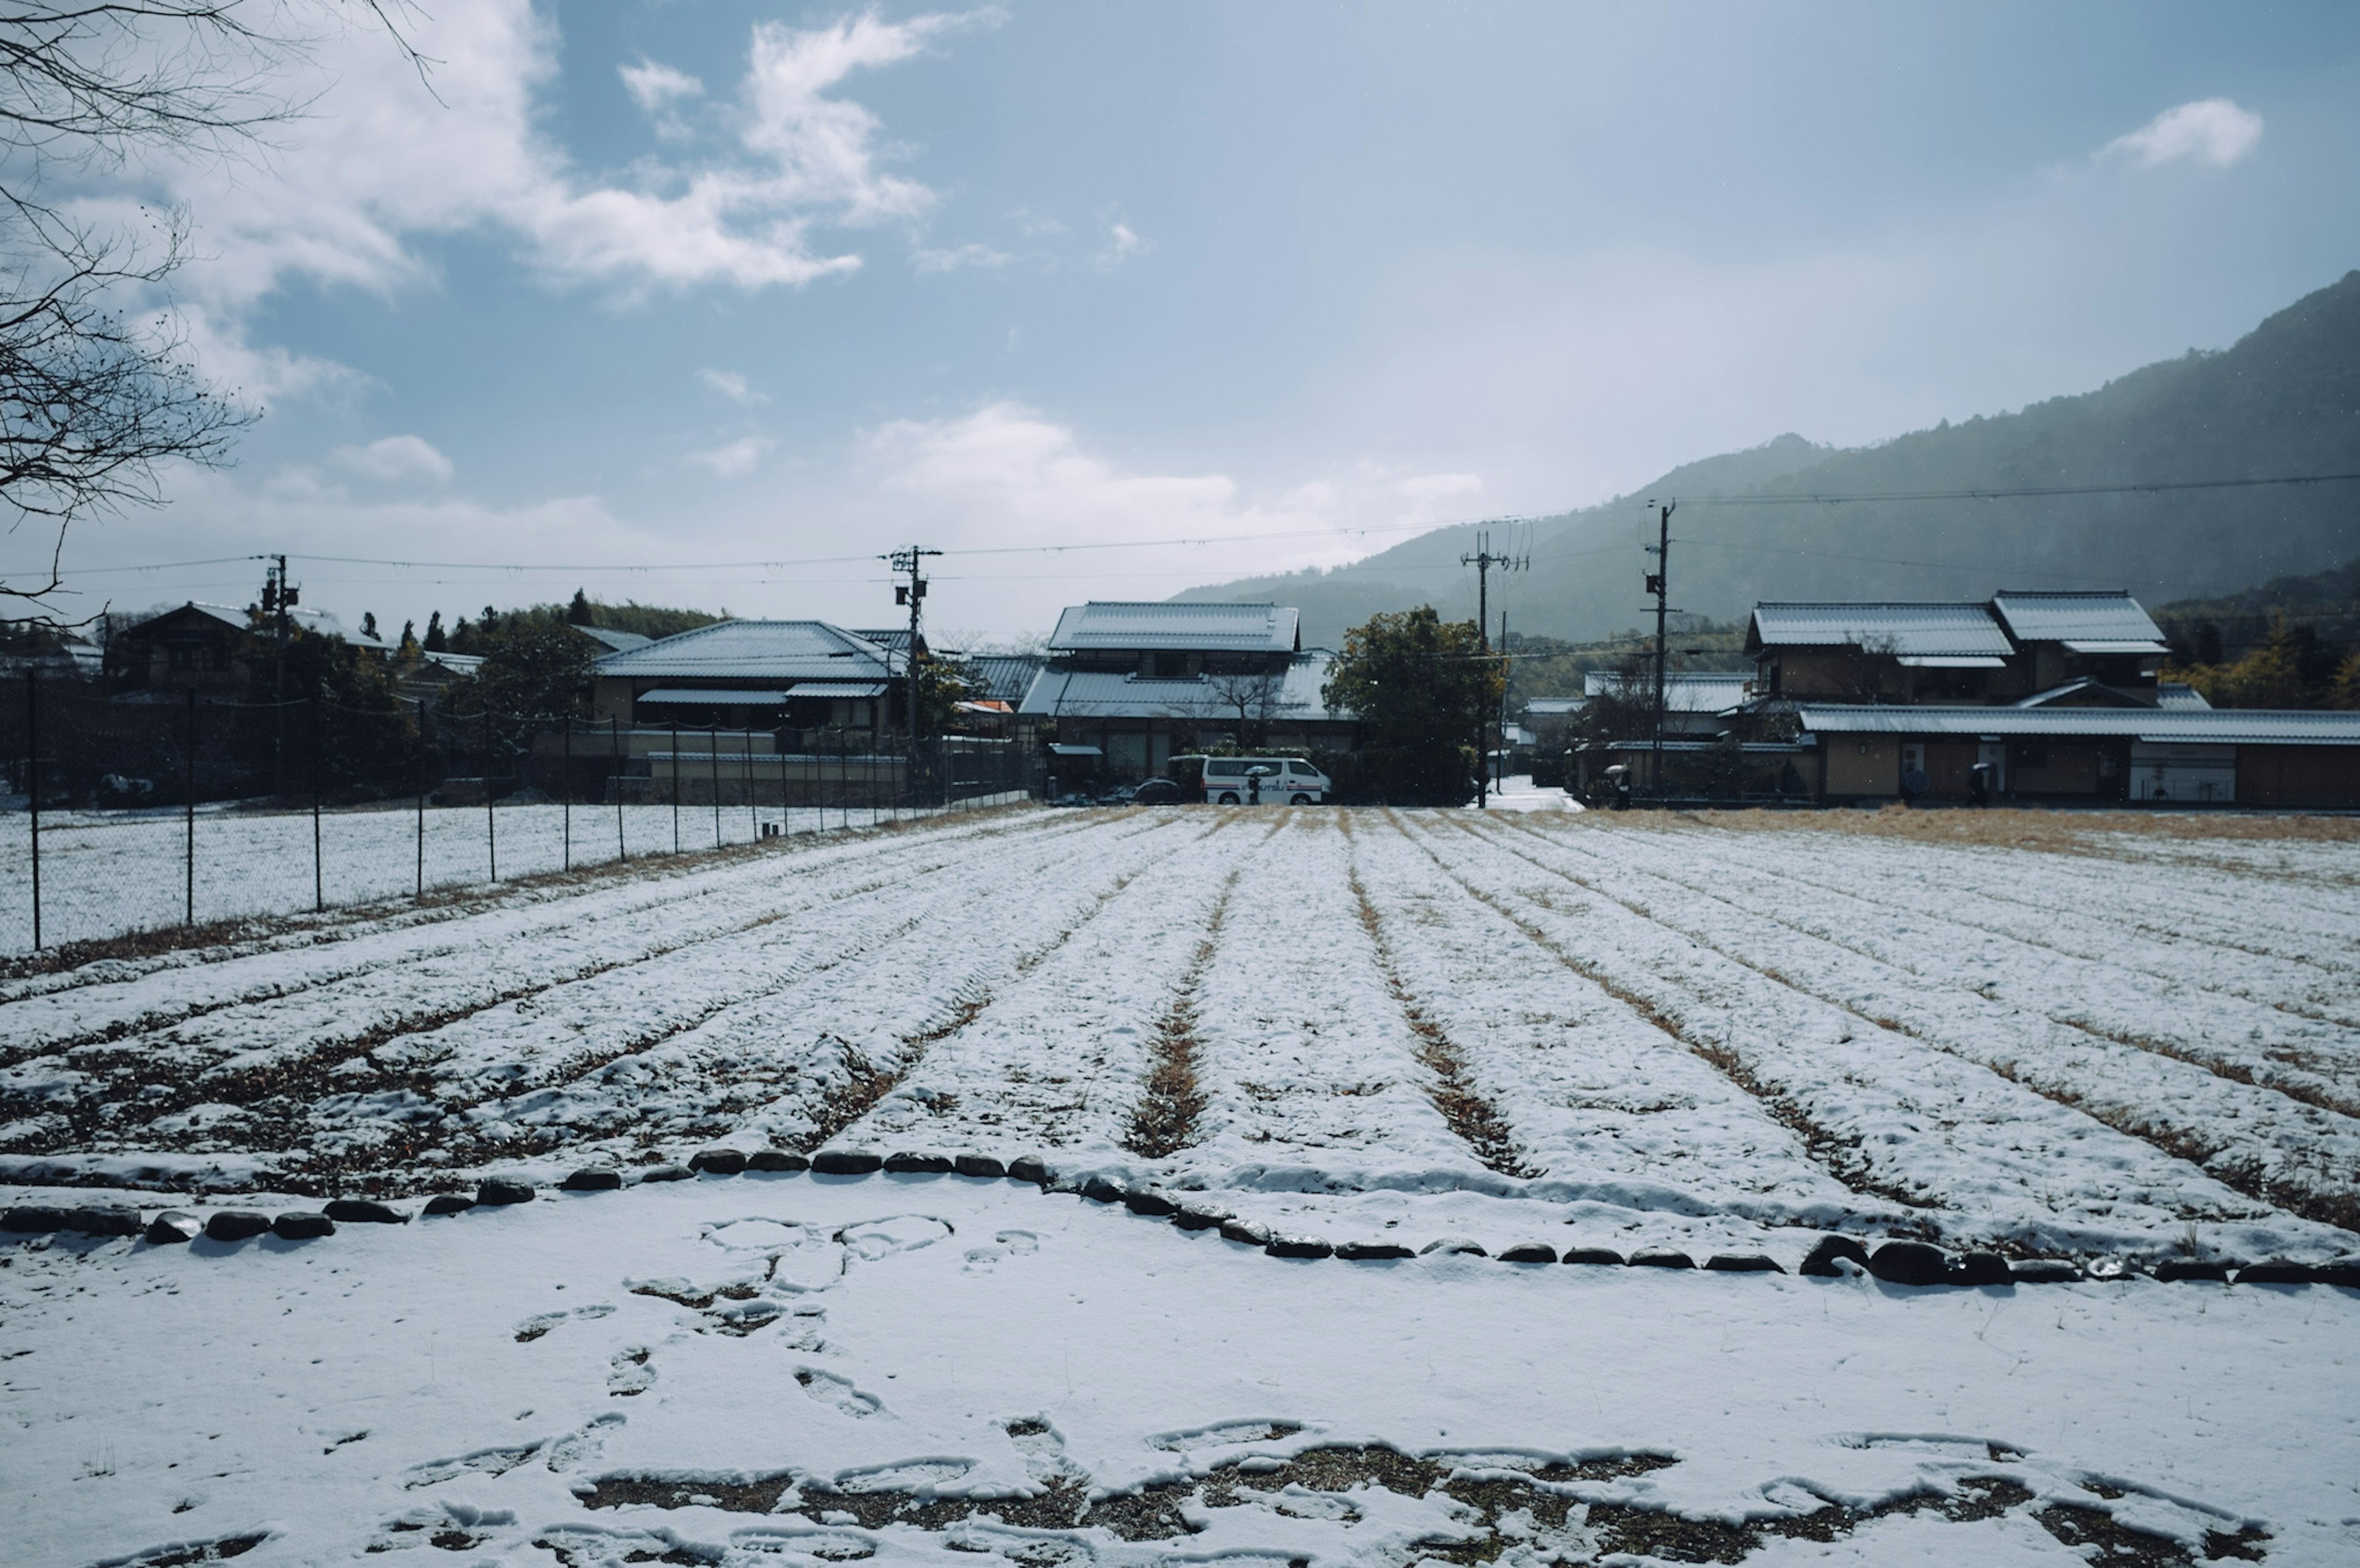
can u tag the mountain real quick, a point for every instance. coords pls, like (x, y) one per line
(2284, 400)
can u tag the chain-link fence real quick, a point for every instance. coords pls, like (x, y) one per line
(137, 814)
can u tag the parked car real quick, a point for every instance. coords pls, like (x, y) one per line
(1156, 792)
(1253, 781)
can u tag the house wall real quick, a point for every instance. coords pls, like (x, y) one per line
(2298, 775)
(2066, 767)
(1861, 764)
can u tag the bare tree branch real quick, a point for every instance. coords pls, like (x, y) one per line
(97, 390)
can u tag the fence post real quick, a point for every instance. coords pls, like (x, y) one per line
(421, 798)
(318, 873)
(753, 817)
(569, 791)
(189, 814)
(616, 729)
(675, 786)
(491, 821)
(33, 789)
(713, 739)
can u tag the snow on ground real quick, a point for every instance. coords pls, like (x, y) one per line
(1381, 1027)
(103, 873)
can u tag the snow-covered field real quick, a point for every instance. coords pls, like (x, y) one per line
(1366, 1027)
(106, 873)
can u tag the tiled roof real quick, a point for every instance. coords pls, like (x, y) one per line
(1006, 676)
(2191, 726)
(2086, 622)
(1911, 631)
(783, 651)
(1691, 691)
(1226, 628)
(617, 642)
(1094, 695)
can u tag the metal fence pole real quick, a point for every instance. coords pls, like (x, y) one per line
(713, 739)
(491, 821)
(568, 722)
(189, 814)
(615, 726)
(33, 789)
(422, 797)
(675, 786)
(753, 817)
(319, 873)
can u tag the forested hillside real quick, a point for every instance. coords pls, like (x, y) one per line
(2284, 400)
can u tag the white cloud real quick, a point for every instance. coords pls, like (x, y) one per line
(656, 87)
(952, 260)
(1122, 243)
(378, 163)
(732, 385)
(736, 458)
(1006, 475)
(395, 459)
(2211, 133)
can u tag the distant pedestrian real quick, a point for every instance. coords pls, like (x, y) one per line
(1979, 784)
(1253, 786)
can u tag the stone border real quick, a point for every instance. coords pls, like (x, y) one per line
(1913, 1263)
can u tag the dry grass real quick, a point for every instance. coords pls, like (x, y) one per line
(2112, 835)
(1474, 1118)
(1165, 1121)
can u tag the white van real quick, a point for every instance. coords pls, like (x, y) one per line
(1283, 781)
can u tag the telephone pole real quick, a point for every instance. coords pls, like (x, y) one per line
(279, 596)
(1659, 584)
(914, 595)
(1483, 561)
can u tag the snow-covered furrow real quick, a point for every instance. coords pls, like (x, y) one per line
(108, 1006)
(2294, 920)
(2057, 916)
(2258, 1139)
(1609, 1107)
(2312, 1060)
(1309, 1071)
(769, 1068)
(556, 1030)
(1991, 1160)
(1057, 1061)
(671, 1050)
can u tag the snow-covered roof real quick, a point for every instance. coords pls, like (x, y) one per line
(772, 651)
(1006, 676)
(1911, 631)
(2178, 695)
(2193, 726)
(1098, 695)
(1554, 707)
(1692, 691)
(2085, 623)
(617, 642)
(1224, 628)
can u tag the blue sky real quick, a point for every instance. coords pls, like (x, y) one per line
(665, 283)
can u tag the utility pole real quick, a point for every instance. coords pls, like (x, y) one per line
(1483, 560)
(1659, 584)
(279, 596)
(914, 595)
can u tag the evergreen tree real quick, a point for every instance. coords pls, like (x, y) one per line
(368, 622)
(1423, 691)
(578, 613)
(435, 641)
(408, 649)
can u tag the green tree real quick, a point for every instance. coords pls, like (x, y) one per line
(579, 613)
(531, 668)
(436, 640)
(1425, 693)
(943, 685)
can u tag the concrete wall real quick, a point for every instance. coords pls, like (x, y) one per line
(1861, 764)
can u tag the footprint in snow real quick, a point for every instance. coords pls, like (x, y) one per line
(482, 1461)
(905, 1476)
(576, 1449)
(874, 1239)
(540, 1323)
(828, 1388)
(1223, 1434)
(630, 1373)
